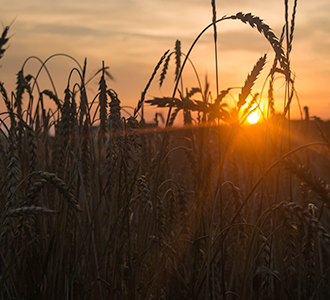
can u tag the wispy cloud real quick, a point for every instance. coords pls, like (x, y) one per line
(131, 35)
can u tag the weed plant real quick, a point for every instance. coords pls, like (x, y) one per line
(110, 207)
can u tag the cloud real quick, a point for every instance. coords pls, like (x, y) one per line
(131, 35)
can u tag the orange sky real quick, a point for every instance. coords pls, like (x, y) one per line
(131, 36)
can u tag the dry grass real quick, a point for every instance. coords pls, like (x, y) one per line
(210, 210)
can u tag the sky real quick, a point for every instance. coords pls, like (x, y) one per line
(130, 36)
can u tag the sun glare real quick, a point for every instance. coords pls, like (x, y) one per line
(254, 117)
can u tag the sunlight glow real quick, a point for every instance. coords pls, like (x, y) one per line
(254, 117)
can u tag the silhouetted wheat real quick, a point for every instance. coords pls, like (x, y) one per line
(250, 80)
(3, 41)
(98, 204)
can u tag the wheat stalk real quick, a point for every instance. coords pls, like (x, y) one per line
(61, 186)
(164, 70)
(292, 25)
(53, 97)
(256, 22)
(33, 152)
(316, 184)
(143, 94)
(177, 58)
(305, 217)
(215, 38)
(115, 116)
(86, 156)
(29, 210)
(250, 80)
(3, 41)
(103, 107)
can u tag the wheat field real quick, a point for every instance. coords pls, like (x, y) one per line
(95, 204)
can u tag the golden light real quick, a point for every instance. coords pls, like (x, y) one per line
(254, 117)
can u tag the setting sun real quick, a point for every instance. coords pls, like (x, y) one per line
(147, 153)
(254, 117)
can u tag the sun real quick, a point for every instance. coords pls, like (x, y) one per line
(254, 117)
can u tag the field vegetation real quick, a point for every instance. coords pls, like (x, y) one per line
(110, 207)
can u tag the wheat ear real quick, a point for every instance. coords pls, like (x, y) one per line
(103, 107)
(29, 210)
(143, 94)
(3, 41)
(250, 80)
(256, 22)
(61, 186)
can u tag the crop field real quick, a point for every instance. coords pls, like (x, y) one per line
(99, 204)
